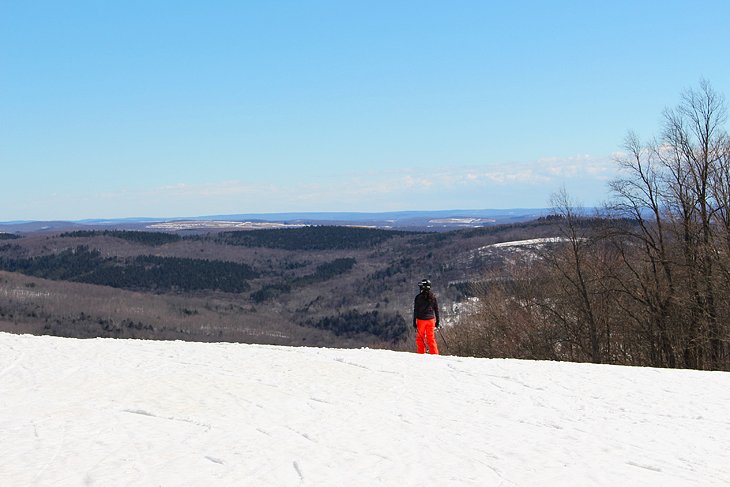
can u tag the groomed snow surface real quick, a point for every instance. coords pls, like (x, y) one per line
(142, 413)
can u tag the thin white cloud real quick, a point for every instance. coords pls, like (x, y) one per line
(544, 171)
(357, 189)
(450, 186)
(580, 166)
(218, 189)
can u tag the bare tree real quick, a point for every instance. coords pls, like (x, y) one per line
(573, 267)
(676, 190)
(647, 278)
(648, 282)
(696, 144)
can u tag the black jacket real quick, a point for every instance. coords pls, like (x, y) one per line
(423, 309)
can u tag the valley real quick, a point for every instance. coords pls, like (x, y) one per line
(333, 286)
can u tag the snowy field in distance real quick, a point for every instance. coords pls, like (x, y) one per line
(528, 243)
(217, 225)
(142, 413)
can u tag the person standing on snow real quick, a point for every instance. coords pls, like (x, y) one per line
(426, 318)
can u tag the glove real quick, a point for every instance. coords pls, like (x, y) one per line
(438, 324)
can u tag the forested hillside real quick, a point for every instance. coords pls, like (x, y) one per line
(647, 283)
(144, 272)
(570, 286)
(323, 285)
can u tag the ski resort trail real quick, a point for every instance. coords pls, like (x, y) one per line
(106, 412)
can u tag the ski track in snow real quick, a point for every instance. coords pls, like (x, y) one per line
(142, 413)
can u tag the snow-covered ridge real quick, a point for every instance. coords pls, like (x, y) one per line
(527, 247)
(527, 243)
(218, 225)
(463, 221)
(142, 413)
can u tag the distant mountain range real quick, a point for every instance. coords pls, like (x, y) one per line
(422, 220)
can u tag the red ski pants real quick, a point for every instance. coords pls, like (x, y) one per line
(426, 335)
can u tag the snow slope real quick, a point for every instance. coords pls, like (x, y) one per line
(142, 413)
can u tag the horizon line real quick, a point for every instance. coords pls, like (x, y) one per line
(280, 214)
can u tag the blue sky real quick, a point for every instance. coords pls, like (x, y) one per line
(161, 109)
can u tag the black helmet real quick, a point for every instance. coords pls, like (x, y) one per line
(424, 285)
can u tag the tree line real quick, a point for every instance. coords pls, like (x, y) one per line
(315, 237)
(310, 238)
(387, 326)
(645, 283)
(146, 272)
(323, 272)
(146, 238)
